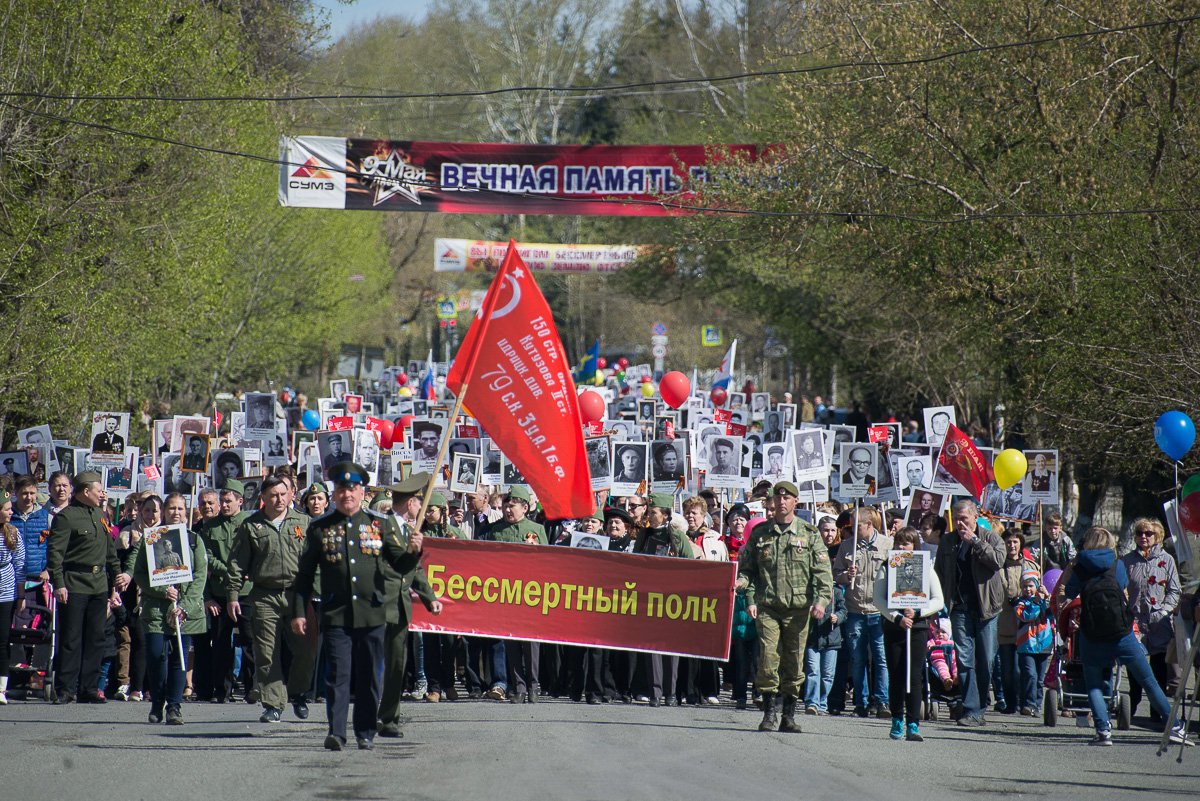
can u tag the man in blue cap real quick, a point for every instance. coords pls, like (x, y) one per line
(358, 553)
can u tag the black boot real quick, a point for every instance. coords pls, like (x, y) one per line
(788, 723)
(770, 713)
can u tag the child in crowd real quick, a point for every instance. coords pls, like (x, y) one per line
(939, 638)
(1035, 639)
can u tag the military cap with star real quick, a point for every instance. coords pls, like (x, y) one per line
(348, 473)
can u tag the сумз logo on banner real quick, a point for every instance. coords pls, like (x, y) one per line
(449, 257)
(392, 174)
(310, 175)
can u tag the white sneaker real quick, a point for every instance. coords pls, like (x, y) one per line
(712, 699)
(1179, 734)
(122, 693)
(421, 689)
(3, 698)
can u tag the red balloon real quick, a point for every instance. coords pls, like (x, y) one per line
(645, 379)
(622, 362)
(405, 422)
(601, 363)
(675, 389)
(718, 396)
(1189, 513)
(591, 406)
(386, 429)
(402, 378)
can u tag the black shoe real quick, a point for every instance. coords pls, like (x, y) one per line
(474, 694)
(93, 698)
(174, 715)
(365, 744)
(300, 707)
(390, 730)
(156, 714)
(532, 697)
(64, 698)
(270, 715)
(770, 721)
(740, 704)
(334, 743)
(591, 699)
(861, 711)
(883, 713)
(654, 702)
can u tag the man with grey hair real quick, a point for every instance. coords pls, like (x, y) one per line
(968, 565)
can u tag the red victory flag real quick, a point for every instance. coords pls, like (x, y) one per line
(965, 462)
(522, 392)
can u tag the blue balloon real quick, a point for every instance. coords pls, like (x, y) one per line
(1175, 433)
(311, 419)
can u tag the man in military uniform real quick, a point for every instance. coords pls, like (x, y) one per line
(522, 655)
(406, 504)
(82, 560)
(217, 535)
(439, 648)
(359, 554)
(266, 548)
(784, 568)
(661, 537)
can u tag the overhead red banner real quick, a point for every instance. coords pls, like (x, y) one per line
(519, 388)
(483, 178)
(965, 462)
(578, 596)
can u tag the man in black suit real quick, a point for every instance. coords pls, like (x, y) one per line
(860, 468)
(108, 440)
(194, 458)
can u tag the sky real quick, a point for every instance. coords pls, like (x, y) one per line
(343, 16)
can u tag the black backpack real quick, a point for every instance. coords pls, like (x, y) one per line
(1106, 616)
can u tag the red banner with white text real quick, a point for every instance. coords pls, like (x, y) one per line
(490, 178)
(577, 596)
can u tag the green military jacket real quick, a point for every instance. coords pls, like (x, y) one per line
(785, 566)
(263, 556)
(154, 603)
(666, 541)
(416, 579)
(81, 554)
(445, 531)
(217, 534)
(501, 531)
(360, 559)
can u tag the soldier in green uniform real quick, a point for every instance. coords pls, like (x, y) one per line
(82, 560)
(784, 568)
(661, 537)
(217, 535)
(266, 548)
(522, 656)
(406, 504)
(358, 554)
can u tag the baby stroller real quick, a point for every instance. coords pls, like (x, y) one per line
(34, 644)
(1065, 689)
(935, 691)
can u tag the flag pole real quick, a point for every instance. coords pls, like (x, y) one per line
(483, 318)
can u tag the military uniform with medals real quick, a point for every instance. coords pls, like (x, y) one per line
(358, 558)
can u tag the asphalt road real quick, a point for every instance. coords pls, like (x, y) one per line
(560, 750)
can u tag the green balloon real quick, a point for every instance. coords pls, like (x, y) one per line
(1190, 486)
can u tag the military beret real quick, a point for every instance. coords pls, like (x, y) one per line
(316, 487)
(785, 488)
(663, 500)
(519, 493)
(87, 477)
(437, 498)
(617, 512)
(4, 497)
(597, 515)
(411, 485)
(348, 473)
(235, 486)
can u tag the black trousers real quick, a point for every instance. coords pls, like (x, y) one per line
(657, 675)
(589, 673)
(439, 662)
(221, 651)
(81, 642)
(523, 666)
(357, 652)
(893, 646)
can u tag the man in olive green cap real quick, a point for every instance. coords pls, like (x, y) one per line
(217, 534)
(82, 560)
(522, 656)
(266, 549)
(359, 554)
(784, 569)
(406, 504)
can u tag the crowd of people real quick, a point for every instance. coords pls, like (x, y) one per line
(307, 596)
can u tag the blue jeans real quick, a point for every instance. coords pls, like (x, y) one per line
(975, 641)
(163, 674)
(864, 631)
(819, 667)
(1032, 672)
(1098, 660)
